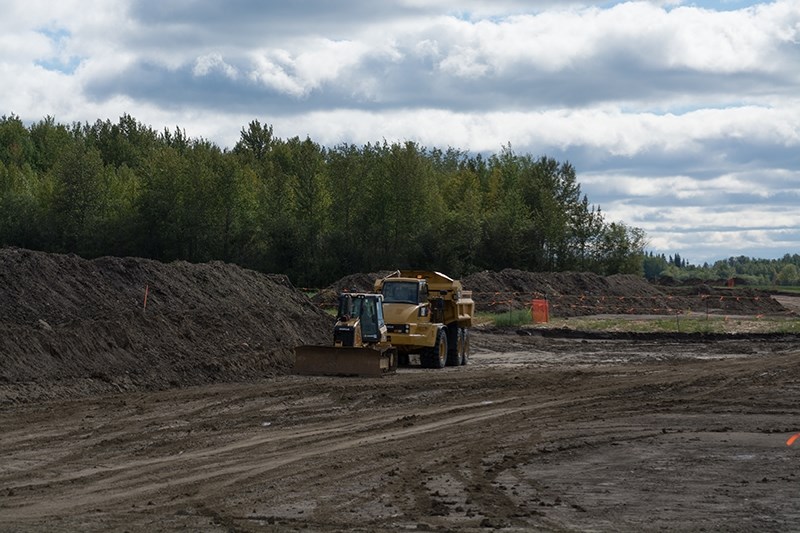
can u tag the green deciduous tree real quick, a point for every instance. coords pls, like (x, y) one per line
(621, 249)
(789, 274)
(296, 207)
(78, 199)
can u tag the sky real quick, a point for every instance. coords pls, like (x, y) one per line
(681, 117)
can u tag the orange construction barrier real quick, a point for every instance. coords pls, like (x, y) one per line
(540, 311)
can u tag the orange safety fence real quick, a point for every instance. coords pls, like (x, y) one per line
(540, 311)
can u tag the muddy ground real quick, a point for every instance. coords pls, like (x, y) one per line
(182, 414)
(537, 433)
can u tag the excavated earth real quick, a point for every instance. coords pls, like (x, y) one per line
(571, 294)
(69, 326)
(545, 429)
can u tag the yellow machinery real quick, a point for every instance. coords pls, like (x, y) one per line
(429, 314)
(411, 312)
(360, 345)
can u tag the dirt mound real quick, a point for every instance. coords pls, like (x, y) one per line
(71, 326)
(569, 293)
(549, 284)
(584, 293)
(734, 301)
(581, 293)
(360, 282)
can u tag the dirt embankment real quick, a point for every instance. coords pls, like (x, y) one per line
(360, 282)
(583, 293)
(71, 326)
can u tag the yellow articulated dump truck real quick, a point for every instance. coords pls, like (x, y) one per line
(411, 312)
(429, 314)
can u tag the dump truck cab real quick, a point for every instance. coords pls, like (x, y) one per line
(429, 314)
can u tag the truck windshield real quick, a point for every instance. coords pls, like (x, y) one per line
(400, 292)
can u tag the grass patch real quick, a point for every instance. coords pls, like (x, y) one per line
(684, 324)
(516, 317)
(777, 288)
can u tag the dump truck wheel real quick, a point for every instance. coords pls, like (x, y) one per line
(453, 345)
(461, 341)
(402, 359)
(464, 345)
(436, 357)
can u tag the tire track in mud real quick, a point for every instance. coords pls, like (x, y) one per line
(222, 467)
(105, 485)
(461, 449)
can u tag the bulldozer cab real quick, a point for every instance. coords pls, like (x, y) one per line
(367, 309)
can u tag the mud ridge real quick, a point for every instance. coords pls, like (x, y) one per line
(70, 326)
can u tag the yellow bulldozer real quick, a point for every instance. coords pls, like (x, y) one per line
(411, 312)
(360, 344)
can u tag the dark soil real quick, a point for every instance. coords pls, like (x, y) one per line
(544, 430)
(535, 434)
(655, 336)
(70, 326)
(582, 293)
(360, 282)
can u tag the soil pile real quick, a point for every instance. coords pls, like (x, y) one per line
(72, 326)
(569, 293)
(361, 282)
(582, 293)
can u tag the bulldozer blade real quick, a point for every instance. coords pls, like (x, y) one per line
(341, 361)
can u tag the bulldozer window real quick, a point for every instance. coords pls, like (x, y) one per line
(368, 314)
(345, 307)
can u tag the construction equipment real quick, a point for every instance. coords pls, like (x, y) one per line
(429, 314)
(360, 345)
(411, 312)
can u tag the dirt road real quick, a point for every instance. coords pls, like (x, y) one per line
(536, 433)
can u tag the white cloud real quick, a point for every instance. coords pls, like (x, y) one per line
(602, 129)
(570, 37)
(718, 245)
(208, 63)
(325, 61)
(657, 100)
(763, 184)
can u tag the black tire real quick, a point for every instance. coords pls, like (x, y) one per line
(453, 345)
(402, 359)
(464, 345)
(436, 357)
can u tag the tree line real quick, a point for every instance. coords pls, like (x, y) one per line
(293, 206)
(753, 271)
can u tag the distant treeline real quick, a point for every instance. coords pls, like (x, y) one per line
(295, 207)
(784, 271)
